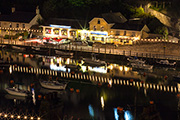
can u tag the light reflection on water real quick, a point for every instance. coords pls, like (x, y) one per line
(89, 96)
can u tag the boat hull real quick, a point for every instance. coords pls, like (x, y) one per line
(52, 86)
(12, 92)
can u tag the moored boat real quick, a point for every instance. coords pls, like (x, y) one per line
(140, 65)
(134, 60)
(53, 85)
(16, 91)
(93, 62)
(166, 63)
(58, 52)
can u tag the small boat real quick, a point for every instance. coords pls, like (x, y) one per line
(53, 85)
(140, 65)
(16, 91)
(166, 63)
(18, 48)
(94, 62)
(58, 52)
(134, 60)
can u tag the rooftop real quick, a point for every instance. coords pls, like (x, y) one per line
(18, 16)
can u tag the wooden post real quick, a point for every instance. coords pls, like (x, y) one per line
(130, 52)
(123, 52)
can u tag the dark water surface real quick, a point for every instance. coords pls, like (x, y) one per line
(88, 101)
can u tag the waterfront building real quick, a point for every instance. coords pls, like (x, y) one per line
(19, 21)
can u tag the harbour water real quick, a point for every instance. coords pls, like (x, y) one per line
(87, 100)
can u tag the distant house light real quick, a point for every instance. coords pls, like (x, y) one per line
(60, 26)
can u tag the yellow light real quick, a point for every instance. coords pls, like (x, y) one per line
(102, 102)
(32, 118)
(0, 114)
(111, 66)
(39, 118)
(126, 69)
(25, 117)
(12, 116)
(68, 61)
(5, 115)
(18, 116)
(121, 68)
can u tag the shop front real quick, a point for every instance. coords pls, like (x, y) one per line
(59, 31)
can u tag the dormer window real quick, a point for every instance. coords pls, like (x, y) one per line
(98, 21)
(10, 25)
(23, 25)
(17, 25)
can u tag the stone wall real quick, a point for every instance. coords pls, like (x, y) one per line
(166, 20)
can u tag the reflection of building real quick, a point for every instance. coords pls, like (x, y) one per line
(18, 22)
(119, 29)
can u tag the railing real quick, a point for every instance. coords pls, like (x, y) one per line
(108, 51)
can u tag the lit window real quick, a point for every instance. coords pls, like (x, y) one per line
(98, 21)
(56, 31)
(17, 25)
(64, 32)
(23, 25)
(73, 33)
(10, 25)
(48, 31)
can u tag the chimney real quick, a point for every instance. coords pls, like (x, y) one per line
(37, 10)
(13, 9)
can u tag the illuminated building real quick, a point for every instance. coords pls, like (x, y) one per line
(18, 22)
(120, 31)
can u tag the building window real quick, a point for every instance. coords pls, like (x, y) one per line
(23, 25)
(102, 28)
(56, 31)
(10, 25)
(94, 28)
(17, 25)
(93, 38)
(48, 31)
(117, 33)
(133, 34)
(98, 21)
(72, 33)
(124, 33)
(64, 32)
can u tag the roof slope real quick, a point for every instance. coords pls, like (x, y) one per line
(127, 26)
(18, 16)
(113, 17)
(74, 23)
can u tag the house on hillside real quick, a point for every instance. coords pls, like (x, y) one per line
(120, 30)
(19, 21)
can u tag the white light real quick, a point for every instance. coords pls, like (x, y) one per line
(83, 68)
(121, 68)
(25, 117)
(39, 118)
(18, 116)
(110, 83)
(12, 116)
(32, 118)
(126, 69)
(102, 102)
(10, 69)
(5, 115)
(98, 69)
